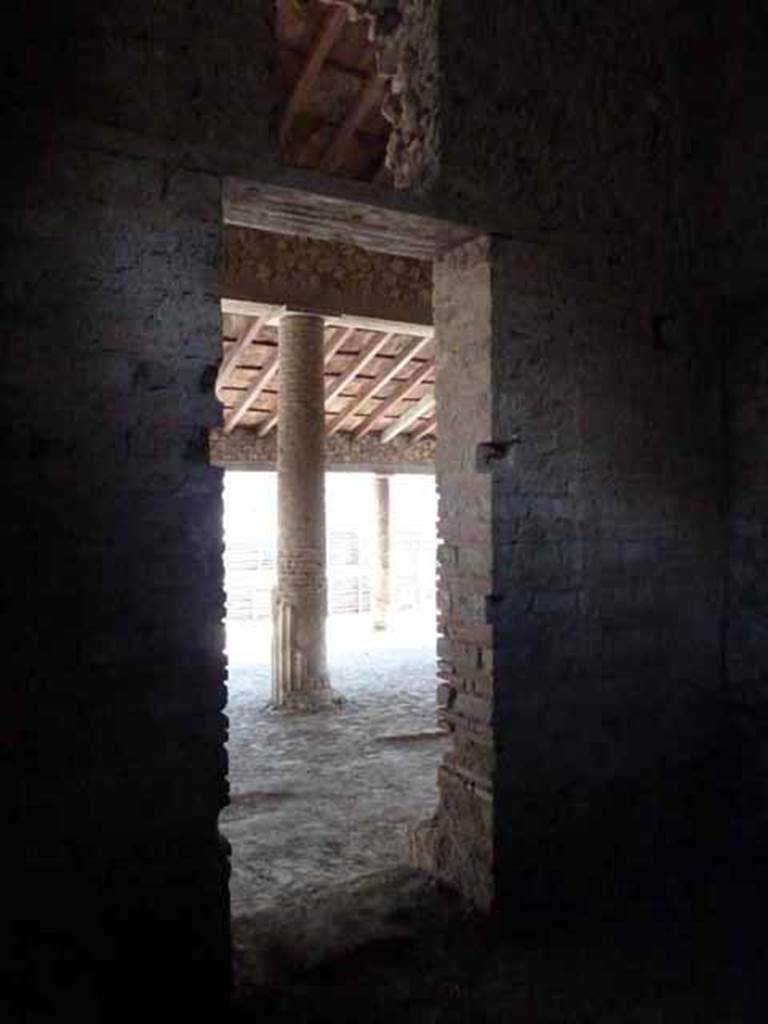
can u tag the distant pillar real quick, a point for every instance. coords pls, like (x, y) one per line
(299, 669)
(382, 583)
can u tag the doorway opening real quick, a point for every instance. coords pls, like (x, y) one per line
(314, 246)
(306, 254)
(319, 799)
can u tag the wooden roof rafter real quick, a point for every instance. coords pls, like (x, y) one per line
(409, 417)
(369, 96)
(334, 22)
(241, 346)
(263, 378)
(375, 344)
(429, 427)
(418, 378)
(411, 350)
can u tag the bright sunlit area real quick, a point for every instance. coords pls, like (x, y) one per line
(321, 797)
(250, 538)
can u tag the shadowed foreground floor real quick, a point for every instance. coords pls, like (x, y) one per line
(396, 947)
(329, 927)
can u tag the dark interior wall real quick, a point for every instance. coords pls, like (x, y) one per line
(743, 328)
(608, 578)
(619, 152)
(745, 335)
(196, 75)
(119, 117)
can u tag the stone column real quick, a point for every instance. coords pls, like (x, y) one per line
(381, 582)
(299, 670)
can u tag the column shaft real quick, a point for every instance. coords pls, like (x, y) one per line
(381, 583)
(299, 670)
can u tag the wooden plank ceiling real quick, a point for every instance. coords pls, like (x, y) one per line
(377, 380)
(332, 92)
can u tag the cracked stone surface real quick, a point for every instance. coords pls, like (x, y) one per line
(318, 799)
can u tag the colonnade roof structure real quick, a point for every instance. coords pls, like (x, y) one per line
(379, 375)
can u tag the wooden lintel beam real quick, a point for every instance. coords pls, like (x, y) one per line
(367, 98)
(425, 431)
(408, 417)
(412, 349)
(419, 377)
(332, 26)
(332, 346)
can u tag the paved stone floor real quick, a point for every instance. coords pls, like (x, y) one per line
(318, 799)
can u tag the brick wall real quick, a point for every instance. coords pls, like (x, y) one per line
(458, 843)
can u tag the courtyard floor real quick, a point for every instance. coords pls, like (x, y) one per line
(319, 799)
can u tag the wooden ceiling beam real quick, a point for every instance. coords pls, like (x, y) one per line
(367, 99)
(264, 376)
(238, 350)
(374, 345)
(332, 346)
(428, 428)
(419, 377)
(398, 365)
(246, 307)
(404, 421)
(334, 22)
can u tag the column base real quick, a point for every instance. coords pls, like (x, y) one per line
(326, 699)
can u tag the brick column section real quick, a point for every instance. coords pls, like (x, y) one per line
(382, 586)
(458, 843)
(299, 670)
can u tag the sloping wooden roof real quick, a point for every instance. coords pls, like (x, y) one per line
(379, 377)
(332, 92)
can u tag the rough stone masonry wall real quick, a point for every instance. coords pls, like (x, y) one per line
(608, 555)
(406, 34)
(594, 136)
(244, 449)
(112, 579)
(458, 843)
(306, 273)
